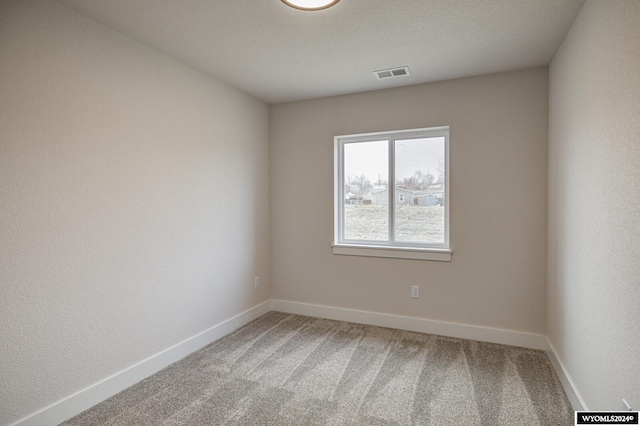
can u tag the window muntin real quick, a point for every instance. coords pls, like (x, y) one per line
(417, 162)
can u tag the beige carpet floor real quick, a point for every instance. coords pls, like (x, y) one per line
(284, 369)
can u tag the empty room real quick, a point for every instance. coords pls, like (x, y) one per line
(197, 224)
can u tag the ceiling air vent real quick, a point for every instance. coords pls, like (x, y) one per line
(391, 73)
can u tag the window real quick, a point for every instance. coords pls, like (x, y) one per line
(408, 218)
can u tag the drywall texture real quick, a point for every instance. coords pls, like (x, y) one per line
(498, 202)
(134, 203)
(594, 204)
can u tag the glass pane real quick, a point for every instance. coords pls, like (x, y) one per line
(419, 190)
(366, 196)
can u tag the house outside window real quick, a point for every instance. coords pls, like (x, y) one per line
(406, 219)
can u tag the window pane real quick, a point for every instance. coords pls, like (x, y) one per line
(420, 189)
(366, 171)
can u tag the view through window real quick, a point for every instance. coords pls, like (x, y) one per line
(413, 210)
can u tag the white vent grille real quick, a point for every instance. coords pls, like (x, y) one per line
(391, 73)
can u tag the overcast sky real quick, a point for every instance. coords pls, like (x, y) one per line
(371, 158)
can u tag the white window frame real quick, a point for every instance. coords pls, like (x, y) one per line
(391, 248)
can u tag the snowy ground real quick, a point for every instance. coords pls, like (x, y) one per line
(413, 223)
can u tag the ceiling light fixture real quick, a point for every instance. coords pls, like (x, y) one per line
(310, 4)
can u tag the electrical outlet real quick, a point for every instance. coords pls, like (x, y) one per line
(415, 291)
(626, 406)
(256, 282)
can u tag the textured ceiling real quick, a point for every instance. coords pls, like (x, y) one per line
(280, 54)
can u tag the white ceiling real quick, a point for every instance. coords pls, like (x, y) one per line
(280, 54)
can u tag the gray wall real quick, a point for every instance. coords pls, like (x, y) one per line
(121, 229)
(498, 202)
(593, 290)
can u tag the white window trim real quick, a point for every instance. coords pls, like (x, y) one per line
(382, 248)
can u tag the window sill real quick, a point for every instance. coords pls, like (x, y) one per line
(440, 255)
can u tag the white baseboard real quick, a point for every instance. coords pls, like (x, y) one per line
(565, 379)
(98, 392)
(464, 331)
(86, 398)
